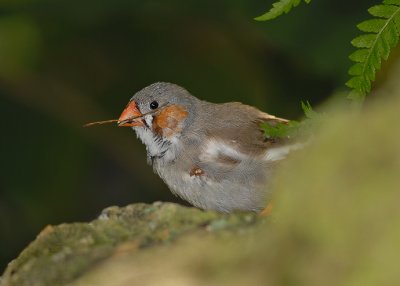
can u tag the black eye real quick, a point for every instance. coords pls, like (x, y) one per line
(153, 104)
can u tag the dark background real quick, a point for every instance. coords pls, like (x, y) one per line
(64, 63)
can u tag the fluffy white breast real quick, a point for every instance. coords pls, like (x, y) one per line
(158, 147)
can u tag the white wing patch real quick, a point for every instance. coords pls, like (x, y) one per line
(214, 149)
(279, 153)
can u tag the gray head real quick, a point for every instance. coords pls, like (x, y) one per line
(157, 105)
(159, 113)
(160, 94)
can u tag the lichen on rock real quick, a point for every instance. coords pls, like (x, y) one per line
(336, 221)
(61, 254)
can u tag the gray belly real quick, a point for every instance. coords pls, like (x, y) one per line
(225, 195)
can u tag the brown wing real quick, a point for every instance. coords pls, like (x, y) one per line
(239, 125)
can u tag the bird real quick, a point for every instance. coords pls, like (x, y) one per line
(213, 155)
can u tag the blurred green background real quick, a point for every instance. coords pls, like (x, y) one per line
(65, 63)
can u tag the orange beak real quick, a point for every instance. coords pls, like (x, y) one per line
(129, 117)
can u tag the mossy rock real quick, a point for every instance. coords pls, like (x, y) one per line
(60, 254)
(336, 221)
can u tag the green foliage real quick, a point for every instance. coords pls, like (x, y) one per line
(292, 128)
(382, 34)
(278, 8)
(280, 130)
(308, 111)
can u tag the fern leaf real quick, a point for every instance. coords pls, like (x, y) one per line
(293, 128)
(309, 111)
(279, 8)
(281, 130)
(381, 35)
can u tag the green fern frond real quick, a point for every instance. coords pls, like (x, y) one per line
(280, 130)
(309, 112)
(293, 128)
(382, 34)
(278, 8)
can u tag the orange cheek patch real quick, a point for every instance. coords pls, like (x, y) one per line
(168, 121)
